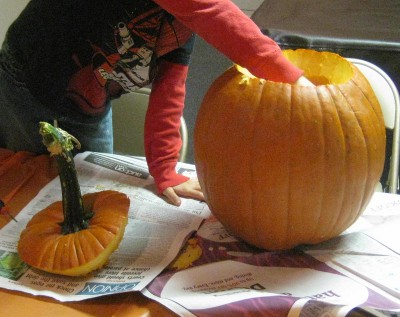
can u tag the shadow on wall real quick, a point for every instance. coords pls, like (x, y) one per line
(206, 65)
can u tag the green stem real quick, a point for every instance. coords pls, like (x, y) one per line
(59, 143)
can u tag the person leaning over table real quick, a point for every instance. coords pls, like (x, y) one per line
(66, 60)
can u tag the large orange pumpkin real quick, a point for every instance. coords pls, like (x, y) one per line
(78, 234)
(283, 165)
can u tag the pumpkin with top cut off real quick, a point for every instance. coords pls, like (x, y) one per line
(283, 165)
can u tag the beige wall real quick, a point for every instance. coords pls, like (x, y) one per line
(9, 10)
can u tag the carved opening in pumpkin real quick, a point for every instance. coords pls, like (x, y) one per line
(321, 68)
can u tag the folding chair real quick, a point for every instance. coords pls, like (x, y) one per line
(388, 96)
(129, 112)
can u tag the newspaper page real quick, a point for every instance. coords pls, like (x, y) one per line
(355, 274)
(154, 235)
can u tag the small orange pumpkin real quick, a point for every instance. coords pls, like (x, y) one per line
(78, 234)
(283, 165)
(43, 245)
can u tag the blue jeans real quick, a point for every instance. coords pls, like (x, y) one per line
(21, 112)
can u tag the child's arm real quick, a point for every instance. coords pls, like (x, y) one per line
(225, 27)
(222, 24)
(162, 137)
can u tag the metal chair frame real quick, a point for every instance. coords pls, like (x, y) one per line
(388, 97)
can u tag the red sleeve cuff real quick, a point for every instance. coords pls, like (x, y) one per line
(163, 119)
(166, 176)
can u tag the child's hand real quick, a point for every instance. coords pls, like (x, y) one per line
(189, 189)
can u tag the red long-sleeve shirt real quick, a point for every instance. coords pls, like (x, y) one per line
(227, 28)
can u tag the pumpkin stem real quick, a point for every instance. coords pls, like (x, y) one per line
(60, 144)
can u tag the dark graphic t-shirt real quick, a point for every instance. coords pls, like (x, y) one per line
(90, 51)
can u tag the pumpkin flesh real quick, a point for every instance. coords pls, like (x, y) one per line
(283, 165)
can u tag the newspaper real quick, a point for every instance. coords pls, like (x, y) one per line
(355, 274)
(154, 235)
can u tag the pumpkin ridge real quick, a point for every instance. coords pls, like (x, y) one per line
(366, 194)
(73, 252)
(315, 235)
(329, 110)
(345, 159)
(298, 114)
(95, 239)
(47, 259)
(34, 244)
(60, 254)
(367, 152)
(290, 168)
(374, 103)
(99, 231)
(47, 249)
(286, 161)
(305, 162)
(259, 109)
(333, 94)
(341, 187)
(321, 171)
(66, 260)
(270, 115)
(113, 229)
(78, 250)
(73, 255)
(366, 148)
(91, 243)
(375, 134)
(85, 247)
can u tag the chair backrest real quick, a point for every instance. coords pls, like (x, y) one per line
(388, 96)
(129, 112)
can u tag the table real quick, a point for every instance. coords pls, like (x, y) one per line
(25, 174)
(22, 175)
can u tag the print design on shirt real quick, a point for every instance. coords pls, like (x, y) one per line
(129, 62)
